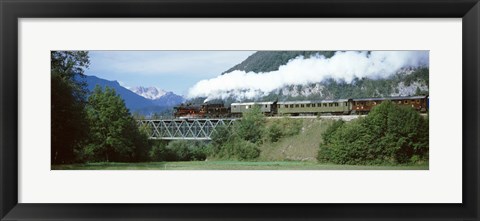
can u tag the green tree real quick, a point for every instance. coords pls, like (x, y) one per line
(274, 132)
(114, 132)
(389, 134)
(68, 125)
(330, 131)
(400, 129)
(227, 144)
(251, 126)
(220, 138)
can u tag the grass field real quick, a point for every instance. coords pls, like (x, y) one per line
(295, 152)
(300, 147)
(229, 165)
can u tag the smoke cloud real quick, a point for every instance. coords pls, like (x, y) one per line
(344, 66)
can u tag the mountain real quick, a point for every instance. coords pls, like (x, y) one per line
(149, 100)
(169, 99)
(266, 61)
(150, 93)
(407, 81)
(158, 96)
(132, 100)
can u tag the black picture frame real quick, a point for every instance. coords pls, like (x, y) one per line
(12, 10)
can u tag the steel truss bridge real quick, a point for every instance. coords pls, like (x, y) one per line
(184, 129)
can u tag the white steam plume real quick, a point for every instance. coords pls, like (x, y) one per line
(342, 66)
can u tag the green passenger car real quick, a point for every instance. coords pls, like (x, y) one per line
(268, 108)
(294, 108)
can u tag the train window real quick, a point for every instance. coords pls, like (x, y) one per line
(336, 104)
(405, 101)
(266, 106)
(330, 104)
(302, 105)
(296, 105)
(324, 104)
(234, 106)
(308, 105)
(291, 105)
(286, 106)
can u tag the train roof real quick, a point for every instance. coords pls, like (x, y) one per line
(315, 101)
(253, 103)
(388, 98)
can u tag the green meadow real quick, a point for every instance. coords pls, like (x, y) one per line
(230, 165)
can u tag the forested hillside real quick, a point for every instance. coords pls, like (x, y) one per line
(406, 82)
(265, 61)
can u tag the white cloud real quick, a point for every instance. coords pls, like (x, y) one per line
(342, 66)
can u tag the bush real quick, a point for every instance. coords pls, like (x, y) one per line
(330, 131)
(251, 126)
(245, 150)
(274, 133)
(291, 126)
(283, 128)
(220, 137)
(180, 150)
(389, 134)
(227, 145)
(240, 141)
(159, 152)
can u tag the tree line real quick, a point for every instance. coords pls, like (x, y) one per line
(89, 126)
(389, 134)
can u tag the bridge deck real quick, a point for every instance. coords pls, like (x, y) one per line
(184, 129)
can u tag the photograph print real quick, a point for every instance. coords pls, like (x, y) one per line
(240, 110)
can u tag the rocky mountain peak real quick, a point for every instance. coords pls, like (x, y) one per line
(151, 93)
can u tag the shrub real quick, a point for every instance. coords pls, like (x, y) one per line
(220, 137)
(233, 147)
(330, 131)
(245, 150)
(283, 128)
(180, 150)
(159, 152)
(389, 134)
(240, 141)
(274, 132)
(251, 126)
(291, 126)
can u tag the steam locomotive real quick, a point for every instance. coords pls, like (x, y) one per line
(202, 111)
(297, 108)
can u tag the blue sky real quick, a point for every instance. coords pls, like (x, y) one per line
(175, 71)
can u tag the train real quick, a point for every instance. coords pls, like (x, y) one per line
(202, 111)
(350, 106)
